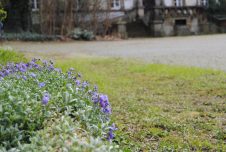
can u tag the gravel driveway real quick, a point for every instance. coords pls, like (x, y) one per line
(207, 51)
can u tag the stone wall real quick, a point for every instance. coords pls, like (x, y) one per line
(178, 21)
(161, 19)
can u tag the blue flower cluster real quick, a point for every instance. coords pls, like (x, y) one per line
(45, 98)
(32, 70)
(12, 68)
(111, 130)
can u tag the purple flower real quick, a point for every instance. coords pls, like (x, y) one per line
(78, 82)
(113, 127)
(107, 110)
(45, 63)
(111, 135)
(42, 84)
(74, 78)
(45, 99)
(24, 77)
(104, 101)
(2, 74)
(34, 60)
(95, 98)
(85, 84)
(51, 68)
(58, 70)
(33, 75)
(69, 73)
(22, 67)
(7, 72)
(104, 104)
(95, 88)
(36, 66)
(33, 65)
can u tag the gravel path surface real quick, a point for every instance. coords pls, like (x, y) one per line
(207, 51)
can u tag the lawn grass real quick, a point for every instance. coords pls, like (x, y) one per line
(160, 107)
(7, 55)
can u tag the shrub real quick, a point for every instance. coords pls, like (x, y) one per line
(27, 36)
(3, 13)
(44, 109)
(79, 34)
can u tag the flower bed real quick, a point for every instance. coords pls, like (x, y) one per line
(44, 109)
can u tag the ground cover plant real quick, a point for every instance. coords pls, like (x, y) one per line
(44, 109)
(161, 107)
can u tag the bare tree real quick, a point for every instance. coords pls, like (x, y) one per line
(69, 17)
(48, 16)
(62, 17)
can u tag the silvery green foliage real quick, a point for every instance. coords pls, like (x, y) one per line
(27, 36)
(80, 34)
(64, 134)
(44, 109)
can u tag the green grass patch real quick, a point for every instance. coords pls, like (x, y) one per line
(7, 55)
(160, 107)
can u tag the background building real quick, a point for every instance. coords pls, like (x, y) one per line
(178, 17)
(124, 18)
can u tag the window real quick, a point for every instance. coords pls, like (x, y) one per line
(178, 2)
(204, 2)
(78, 4)
(115, 4)
(181, 22)
(35, 4)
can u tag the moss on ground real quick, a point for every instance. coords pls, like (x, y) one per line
(161, 107)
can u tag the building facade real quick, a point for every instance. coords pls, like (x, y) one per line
(118, 12)
(142, 17)
(178, 17)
